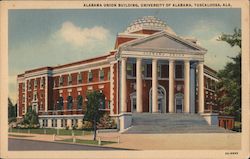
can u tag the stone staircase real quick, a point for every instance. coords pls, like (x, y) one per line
(148, 123)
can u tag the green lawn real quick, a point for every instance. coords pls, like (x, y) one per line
(51, 131)
(88, 142)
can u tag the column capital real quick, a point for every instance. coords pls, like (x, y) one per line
(154, 59)
(186, 61)
(171, 61)
(201, 62)
(124, 58)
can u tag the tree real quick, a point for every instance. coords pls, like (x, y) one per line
(93, 113)
(229, 86)
(31, 118)
(11, 111)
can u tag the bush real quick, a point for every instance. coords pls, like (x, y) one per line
(106, 122)
(87, 125)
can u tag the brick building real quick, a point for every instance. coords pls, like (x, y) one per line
(172, 79)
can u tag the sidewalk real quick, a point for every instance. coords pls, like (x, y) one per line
(216, 141)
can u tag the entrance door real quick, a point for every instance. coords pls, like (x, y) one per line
(179, 103)
(133, 105)
(159, 105)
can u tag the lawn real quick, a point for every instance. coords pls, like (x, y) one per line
(87, 142)
(51, 131)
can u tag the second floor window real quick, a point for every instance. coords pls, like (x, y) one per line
(179, 71)
(101, 75)
(42, 83)
(69, 80)
(90, 77)
(35, 84)
(29, 85)
(23, 87)
(79, 78)
(60, 80)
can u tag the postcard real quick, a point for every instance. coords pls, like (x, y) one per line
(124, 79)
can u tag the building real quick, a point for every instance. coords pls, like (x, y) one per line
(172, 79)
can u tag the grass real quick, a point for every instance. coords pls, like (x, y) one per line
(19, 135)
(87, 142)
(50, 131)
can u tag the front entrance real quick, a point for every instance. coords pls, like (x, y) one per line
(179, 103)
(161, 100)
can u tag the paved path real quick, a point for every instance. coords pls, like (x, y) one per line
(197, 141)
(29, 145)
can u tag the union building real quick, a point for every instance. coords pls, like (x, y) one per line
(151, 69)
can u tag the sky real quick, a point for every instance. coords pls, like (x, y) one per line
(39, 38)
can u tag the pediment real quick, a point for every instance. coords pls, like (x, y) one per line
(163, 41)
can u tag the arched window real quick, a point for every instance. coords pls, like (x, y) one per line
(79, 102)
(60, 103)
(70, 102)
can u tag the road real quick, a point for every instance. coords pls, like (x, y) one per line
(27, 145)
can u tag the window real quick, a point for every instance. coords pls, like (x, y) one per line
(164, 71)
(69, 79)
(23, 87)
(60, 80)
(35, 84)
(149, 70)
(90, 76)
(79, 78)
(70, 102)
(23, 99)
(108, 75)
(29, 85)
(79, 102)
(101, 75)
(130, 69)
(41, 106)
(54, 123)
(179, 71)
(41, 83)
(45, 123)
(60, 103)
(109, 104)
(158, 70)
(62, 123)
(102, 103)
(35, 96)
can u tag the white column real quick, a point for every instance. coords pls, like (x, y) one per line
(138, 85)
(46, 93)
(154, 86)
(171, 107)
(186, 86)
(200, 87)
(123, 85)
(111, 89)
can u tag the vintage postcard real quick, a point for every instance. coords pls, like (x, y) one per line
(124, 79)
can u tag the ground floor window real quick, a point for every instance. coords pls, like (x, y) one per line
(54, 122)
(45, 123)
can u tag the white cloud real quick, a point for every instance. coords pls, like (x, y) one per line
(81, 37)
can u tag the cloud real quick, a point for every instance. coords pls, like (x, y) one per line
(81, 37)
(207, 33)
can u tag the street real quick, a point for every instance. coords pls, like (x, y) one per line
(29, 145)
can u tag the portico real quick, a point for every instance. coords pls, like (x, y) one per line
(153, 59)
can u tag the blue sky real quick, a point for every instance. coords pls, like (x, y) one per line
(40, 38)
